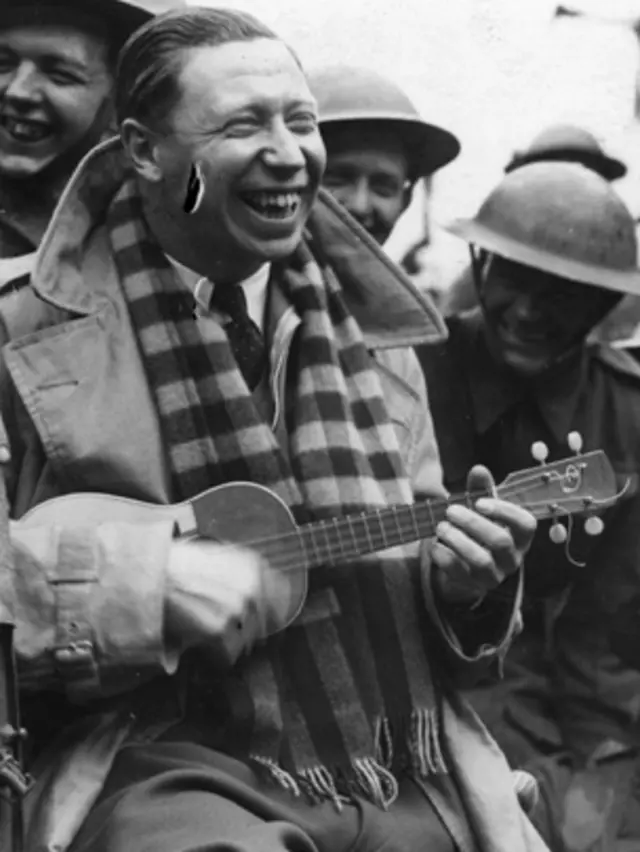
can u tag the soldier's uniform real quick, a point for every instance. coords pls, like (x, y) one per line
(568, 701)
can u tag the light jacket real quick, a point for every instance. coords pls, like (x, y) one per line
(80, 418)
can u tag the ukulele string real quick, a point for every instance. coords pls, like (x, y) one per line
(286, 547)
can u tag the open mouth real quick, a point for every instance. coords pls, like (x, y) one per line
(25, 130)
(529, 338)
(273, 205)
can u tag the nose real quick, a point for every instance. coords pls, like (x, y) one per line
(528, 308)
(284, 151)
(23, 84)
(357, 198)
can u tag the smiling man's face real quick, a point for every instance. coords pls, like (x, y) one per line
(533, 318)
(54, 86)
(247, 118)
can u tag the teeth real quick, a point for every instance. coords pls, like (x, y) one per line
(27, 131)
(279, 204)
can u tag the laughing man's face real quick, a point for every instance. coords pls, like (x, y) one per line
(247, 117)
(54, 84)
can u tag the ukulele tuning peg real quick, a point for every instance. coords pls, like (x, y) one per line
(540, 451)
(574, 440)
(558, 533)
(594, 525)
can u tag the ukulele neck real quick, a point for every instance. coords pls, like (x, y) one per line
(346, 538)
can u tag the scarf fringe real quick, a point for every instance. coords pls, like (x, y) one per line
(424, 744)
(282, 778)
(367, 777)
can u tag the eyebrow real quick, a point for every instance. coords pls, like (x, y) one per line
(305, 102)
(52, 59)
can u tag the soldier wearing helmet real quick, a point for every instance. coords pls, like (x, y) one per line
(553, 251)
(378, 146)
(560, 143)
(57, 62)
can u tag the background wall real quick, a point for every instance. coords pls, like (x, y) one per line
(494, 71)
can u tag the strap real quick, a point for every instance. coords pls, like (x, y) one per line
(74, 650)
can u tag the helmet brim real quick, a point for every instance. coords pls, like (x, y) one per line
(123, 17)
(430, 147)
(610, 168)
(617, 280)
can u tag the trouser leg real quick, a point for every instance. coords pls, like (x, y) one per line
(182, 797)
(172, 798)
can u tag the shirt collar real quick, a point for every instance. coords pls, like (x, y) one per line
(255, 288)
(494, 390)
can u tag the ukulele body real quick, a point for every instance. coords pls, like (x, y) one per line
(235, 513)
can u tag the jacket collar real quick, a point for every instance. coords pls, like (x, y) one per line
(389, 309)
(494, 390)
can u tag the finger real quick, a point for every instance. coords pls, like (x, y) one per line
(496, 540)
(482, 565)
(454, 577)
(520, 523)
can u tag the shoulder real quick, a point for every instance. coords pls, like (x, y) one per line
(402, 366)
(449, 358)
(619, 364)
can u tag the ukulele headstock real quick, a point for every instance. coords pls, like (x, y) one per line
(582, 484)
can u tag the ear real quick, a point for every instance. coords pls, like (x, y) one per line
(480, 265)
(142, 147)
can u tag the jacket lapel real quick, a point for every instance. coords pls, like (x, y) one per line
(83, 384)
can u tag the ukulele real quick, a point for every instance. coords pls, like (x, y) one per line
(253, 516)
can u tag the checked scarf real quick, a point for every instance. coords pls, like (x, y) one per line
(341, 701)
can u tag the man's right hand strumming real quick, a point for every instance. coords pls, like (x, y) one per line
(222, 597)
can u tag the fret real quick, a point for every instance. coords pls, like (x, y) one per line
(414, 520)
(431, 512)
(363, 521)
(352, 532)
(311, 545)
(383, 535)
(395, 512)
(327, 540)
(337, 524)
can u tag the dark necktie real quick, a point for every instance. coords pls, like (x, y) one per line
(245, 338)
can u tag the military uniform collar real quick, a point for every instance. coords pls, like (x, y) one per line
(495, 390)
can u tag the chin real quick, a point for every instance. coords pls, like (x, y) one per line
(22, 168)
(278, 249)
(528, 366)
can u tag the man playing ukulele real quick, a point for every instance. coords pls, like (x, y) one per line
(200, 315)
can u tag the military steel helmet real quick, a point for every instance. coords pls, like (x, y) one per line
(345, 94)
(121, 17)
(560, 218)
(572, 144)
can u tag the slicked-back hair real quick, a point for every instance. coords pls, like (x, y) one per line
(147, 79)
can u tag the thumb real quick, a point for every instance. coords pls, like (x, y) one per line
(480, 482)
